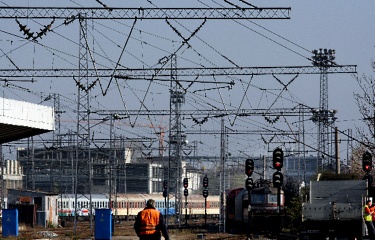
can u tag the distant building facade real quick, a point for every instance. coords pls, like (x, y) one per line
(12, 175)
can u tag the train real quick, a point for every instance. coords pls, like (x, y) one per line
(127, 206)
(265, 214)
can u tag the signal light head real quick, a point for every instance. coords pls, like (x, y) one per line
(249, 167)
(277, 179)
(367, 162)
(249, 184)
(205, 182)
(186, 183)
(278, 158)
(205, 193)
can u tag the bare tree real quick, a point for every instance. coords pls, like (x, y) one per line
(366, 103)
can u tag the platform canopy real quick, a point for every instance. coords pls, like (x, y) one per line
(20, 120)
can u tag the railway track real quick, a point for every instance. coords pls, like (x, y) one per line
(124, 230)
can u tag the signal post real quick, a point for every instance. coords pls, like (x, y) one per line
(205, 195)
(278, 178)
(249, 184)
(186, 194)
(165, 195)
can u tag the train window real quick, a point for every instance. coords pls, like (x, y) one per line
(258, 198)
(272, 198)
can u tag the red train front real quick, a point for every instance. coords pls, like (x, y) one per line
(265, 216)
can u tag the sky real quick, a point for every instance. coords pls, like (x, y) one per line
(345, 26)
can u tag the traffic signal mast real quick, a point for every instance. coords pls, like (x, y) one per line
(186, 184)
(277, 160)
(249, 169)
(367, 162)
(205, 195)
(249, 184)
(278, 178)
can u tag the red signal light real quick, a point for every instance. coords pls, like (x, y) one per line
(278, 158)
(367, 162)
(186, 183)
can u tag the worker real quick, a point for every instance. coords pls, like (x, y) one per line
(149, 224)
(367, 215)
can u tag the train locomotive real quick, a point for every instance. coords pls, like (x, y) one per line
(265, 214)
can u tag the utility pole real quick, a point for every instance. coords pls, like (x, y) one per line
(222, 175)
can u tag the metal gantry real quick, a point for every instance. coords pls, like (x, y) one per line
(147, 74)
(71, 13)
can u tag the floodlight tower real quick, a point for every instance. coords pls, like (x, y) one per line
(323, 59)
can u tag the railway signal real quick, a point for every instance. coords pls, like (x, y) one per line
(367, 162)
(249, 184)
(278, 158)
(249, 167)
(205, 182)
(277, 179)
(186, 183)
(205, 193)
(165, 187)
(186, 192)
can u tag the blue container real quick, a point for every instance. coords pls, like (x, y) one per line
(10, 222)
(103, 224)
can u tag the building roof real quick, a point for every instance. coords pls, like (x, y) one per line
(20, 120)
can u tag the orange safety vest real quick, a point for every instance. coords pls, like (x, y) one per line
(366, 214)
(149, 219)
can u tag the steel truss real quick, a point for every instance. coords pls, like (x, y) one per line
(214, 113)
(71, 13)
(181, 72)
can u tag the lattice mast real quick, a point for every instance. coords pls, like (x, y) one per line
(176, 138)
(324, 59)
(83, 176)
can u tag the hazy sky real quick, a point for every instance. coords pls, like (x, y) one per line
(346, 26)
